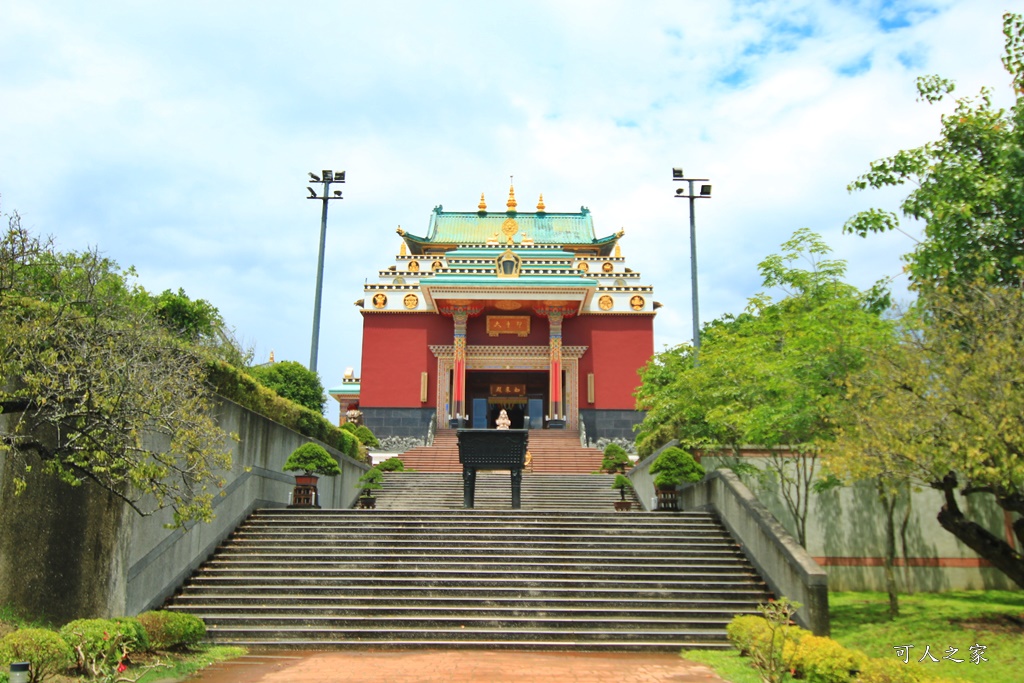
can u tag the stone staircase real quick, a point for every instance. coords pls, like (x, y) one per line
(443, 491)
(525, 579)
(553, 451)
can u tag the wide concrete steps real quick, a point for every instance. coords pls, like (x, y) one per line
(443, 491)
(553, 451)
(326, 579)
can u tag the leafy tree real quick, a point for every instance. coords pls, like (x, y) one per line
(966, 185)
(771, 377)
(198, 322)
(292, 381)
(94, 389)
(945, 408)
(312, 458)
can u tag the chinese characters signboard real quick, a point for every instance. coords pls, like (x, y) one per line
(508, 324)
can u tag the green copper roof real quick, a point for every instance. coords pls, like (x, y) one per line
(465, 227)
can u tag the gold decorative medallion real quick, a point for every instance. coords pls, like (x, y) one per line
(411, 301)
(414, 266)
(583, 267)
(436, 265)
(637, 302)
(607, 266)
(606, 303)
(509, 227)
(380, 300)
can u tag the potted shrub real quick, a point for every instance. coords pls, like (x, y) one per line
(616, 460)
(372, 480)
(622, 483)
(312, 459)
(674, 467)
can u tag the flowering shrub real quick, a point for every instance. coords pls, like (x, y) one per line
(100, 646)
(46, 651)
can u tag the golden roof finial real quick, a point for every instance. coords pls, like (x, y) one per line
(482, 205)
(618, 251)
(401, 249)
(271, 355)
(511, 195)
(540, 202)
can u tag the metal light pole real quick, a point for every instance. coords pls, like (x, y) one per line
(681, 193)
(327, 178)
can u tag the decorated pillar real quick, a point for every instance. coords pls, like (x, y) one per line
(556, 403)
(461, 313)
(459, 413)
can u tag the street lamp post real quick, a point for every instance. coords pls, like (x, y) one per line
(681, 193)
(326, 179)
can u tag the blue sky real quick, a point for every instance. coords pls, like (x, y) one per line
(176, 137)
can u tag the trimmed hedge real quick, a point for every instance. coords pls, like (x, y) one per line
(46, 651)
(172, 630)
(235, 385)
(392, 464)
(823, 660)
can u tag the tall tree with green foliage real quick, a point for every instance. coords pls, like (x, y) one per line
(92, 388)
(293, 381)
(945, 407)
(967, 185)
(771, 377)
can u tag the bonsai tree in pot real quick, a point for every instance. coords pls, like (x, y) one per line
(674, 467)
(372, 480)
(622, 483)
(312, 459)
(616, 460)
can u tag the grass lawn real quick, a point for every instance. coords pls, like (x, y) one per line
(939, 621)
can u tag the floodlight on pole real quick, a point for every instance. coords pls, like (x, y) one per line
(682, 193)
(326, 178)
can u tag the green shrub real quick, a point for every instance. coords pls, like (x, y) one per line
(134, 632)
(100, 645)
(615, 459)
(822, 660)
(392, 464)
(312, 459)
(46, 651)
(349, 445)
(886, 671)
(366, 437)
(743, 631)
(292, 381)
(622, 483)
(675, 466)
(172, 630)
(350, 427)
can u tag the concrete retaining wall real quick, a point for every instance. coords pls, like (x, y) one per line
(786, 567)
(72, 552)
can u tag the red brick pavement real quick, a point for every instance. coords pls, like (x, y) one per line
(457, 666)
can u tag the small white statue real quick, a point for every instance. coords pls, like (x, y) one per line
(503, 422)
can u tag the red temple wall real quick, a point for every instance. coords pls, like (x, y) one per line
(618, 346)
(396, 350)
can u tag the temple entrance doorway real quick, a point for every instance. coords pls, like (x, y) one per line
(522, 394)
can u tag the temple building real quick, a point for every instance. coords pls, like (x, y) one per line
(530, 312)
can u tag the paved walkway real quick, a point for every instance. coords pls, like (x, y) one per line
(457, 666)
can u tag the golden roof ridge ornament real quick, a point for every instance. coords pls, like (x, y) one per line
(511, 196)
(540, 203)
(482, 206)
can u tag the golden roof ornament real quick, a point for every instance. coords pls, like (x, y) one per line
(271, 355)
(618, 251)
(511, 197)
(540, 202)
(482, 206)
(400, 231)
(401, 249)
